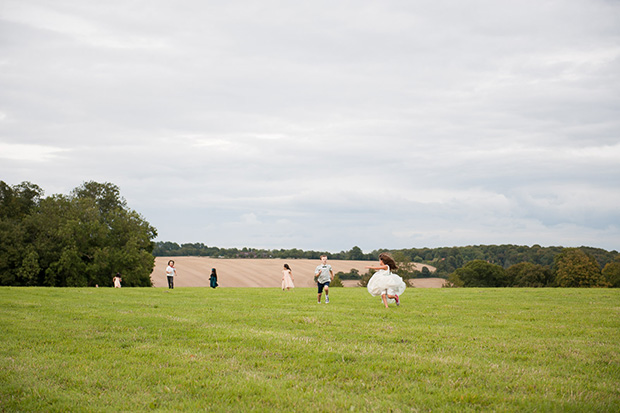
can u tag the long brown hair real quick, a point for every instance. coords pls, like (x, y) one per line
(388, 260)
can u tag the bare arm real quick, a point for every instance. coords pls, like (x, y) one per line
(379, 267)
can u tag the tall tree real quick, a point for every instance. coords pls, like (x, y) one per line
(611, 272)
(575, 268)
(406, 269)
(355, 254)
(107, 196)
(16, 202)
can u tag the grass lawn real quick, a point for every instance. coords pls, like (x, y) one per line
(262, 349)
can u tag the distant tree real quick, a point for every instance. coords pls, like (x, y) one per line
(472, 253)
(365, 278)
(447, 260)
(355, 254)
(19, 200)
(12, 250)
(406, 269)
(526, 274)
(16, 203)
(611, 272)
(353, 274)
(480, 273)
(107, 196)
(166, 249)
(454, 281)
(336, 282)
(575, 268)
(601, 256)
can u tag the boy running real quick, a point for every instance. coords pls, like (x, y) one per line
(324, 275)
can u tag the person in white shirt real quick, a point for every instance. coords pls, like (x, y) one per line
(170, 273)
(324, 275)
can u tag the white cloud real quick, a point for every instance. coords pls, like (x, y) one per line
(250, 219)
(29, 153)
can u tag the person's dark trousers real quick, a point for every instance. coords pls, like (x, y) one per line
(170, 282)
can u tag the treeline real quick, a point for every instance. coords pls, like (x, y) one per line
(168, 249)
(470, 266)
(445, 259)
(449, 259)
(76, 240)
(573, 267)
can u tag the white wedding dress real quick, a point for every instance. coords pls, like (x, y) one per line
(384, 282)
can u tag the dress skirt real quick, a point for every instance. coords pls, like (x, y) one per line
(385, 282)
(287, 281)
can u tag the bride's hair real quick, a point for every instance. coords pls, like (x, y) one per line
(388, 260)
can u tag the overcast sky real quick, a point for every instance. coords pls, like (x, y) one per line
(325, 124)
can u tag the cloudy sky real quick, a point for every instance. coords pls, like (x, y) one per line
(325, 124)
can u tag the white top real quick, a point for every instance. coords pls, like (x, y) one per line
(324, 273)
(171, 271)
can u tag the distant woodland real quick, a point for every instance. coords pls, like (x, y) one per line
(478, 265)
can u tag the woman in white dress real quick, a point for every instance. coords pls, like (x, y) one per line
(287, 278)
(385, 283)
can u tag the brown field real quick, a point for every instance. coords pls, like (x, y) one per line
(195, 271)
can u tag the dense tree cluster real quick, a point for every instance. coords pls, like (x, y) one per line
(75, 240)
(448, 259)
(571, 268)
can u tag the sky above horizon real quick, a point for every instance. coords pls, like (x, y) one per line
(324, 125)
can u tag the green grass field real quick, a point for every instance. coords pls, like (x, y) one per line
(261, 349)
